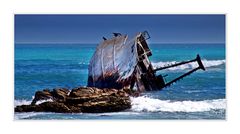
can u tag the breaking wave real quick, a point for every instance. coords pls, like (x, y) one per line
(146, 104)
(21, 102)
(28, 102)
(206, 63)
(42, 101)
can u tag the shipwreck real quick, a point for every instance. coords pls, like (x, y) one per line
(119, 68)
(123, 62)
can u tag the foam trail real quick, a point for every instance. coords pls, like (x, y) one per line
(27, 115)
(206, 63)
(143, 103)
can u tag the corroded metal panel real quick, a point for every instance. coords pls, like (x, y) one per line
(113, 63)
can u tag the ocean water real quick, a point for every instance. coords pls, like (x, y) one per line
(202, 95)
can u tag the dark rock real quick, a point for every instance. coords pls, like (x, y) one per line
(82, 91)
(25, 108)
(108, 104)
(81, 99)
(42, 95)
(47, 107)
(60, 94)
(54, 107)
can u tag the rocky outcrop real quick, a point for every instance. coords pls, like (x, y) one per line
(58, 95)
(81, 99)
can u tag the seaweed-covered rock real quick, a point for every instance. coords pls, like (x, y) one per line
(81, 99)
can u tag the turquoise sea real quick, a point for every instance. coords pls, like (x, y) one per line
(201, 95)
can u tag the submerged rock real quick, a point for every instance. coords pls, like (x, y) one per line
(81, 99)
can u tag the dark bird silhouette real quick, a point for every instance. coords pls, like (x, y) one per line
(104, 38)
(117, 34)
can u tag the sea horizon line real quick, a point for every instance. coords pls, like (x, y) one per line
(100, 42)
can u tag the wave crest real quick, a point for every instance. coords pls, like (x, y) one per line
(206, 63)
(144, 103)
(28, 102)
(21, 102)
(42, 101)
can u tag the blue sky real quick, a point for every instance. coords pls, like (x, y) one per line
(91, 28)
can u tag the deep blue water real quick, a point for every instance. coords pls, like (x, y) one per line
(198, 96)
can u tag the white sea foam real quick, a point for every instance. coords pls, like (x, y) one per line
(28, 102)
(21, 102)
(83, 63)
(143, 103)
(27, 115)
(42, 101)
(206, 63)
(117, 113)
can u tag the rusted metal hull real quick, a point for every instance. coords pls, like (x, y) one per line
(113, 63)
(123, 62)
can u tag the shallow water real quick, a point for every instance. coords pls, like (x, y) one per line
(198, 96)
